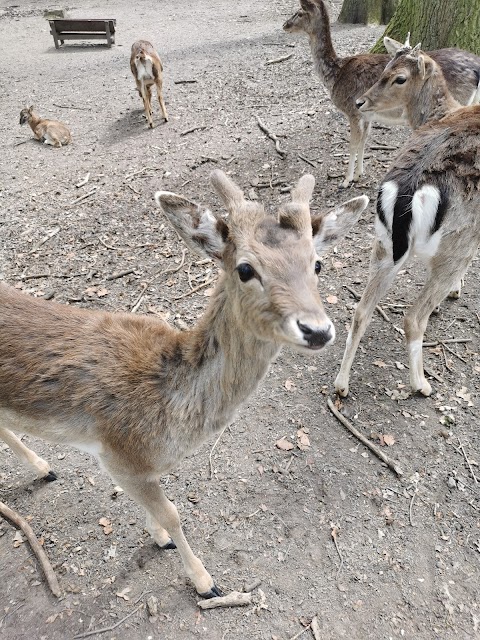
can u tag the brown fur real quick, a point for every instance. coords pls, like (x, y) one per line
(346, 79)
(143, 55)
(51, 132)
(139, 394)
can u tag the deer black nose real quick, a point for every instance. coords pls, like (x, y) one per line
(316, 336)
(360, 102)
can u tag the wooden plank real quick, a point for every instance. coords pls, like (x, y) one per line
(82, 24)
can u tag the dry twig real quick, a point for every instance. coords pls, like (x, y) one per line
(234, 599)
(460, 447)
(334, 533)
(281, 59)
(199, 127)
(447, 341)
(310, 162)
(212, 450)
(272, 136)
(200, 286)
(18, 521)
(391, 464)
(84, 197)
(315, 628)
(110, 628)
(48, 237)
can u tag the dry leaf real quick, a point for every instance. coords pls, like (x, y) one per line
(284, 444)
(380, 363)
(102, 292)
(107, 525)
(389, 440)
(18, 540)
(289, 385)
(332, 299)
(123, 593)
(303, 440)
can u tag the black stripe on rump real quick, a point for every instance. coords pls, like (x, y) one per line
(402, 219)
(441, 209)
(380, 213)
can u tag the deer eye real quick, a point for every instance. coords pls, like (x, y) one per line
(318, 267)
(245, 272)
(400, 80)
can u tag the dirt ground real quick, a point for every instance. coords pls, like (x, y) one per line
(407, 560)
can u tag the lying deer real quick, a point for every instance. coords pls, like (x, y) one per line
(48, 131)
(140, 395)
(147, 70)
(346, 79)
(428, 202)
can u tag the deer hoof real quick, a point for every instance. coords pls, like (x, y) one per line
(50, 477)
(169, 545)
(214, 592)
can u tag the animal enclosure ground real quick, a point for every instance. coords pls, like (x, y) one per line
(410, 548)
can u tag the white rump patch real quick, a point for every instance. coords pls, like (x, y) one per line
(425, 203)
(388, 198)
(144, 69)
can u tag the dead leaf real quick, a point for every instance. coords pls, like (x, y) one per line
(284, 444)
(107, 525)
(464, 394)
(289, 385)
(303, 440)
(389, 440)
(18, 539)
(332, 299)
(102, 292)
(380, 363)
(123, 593)
(389, 519)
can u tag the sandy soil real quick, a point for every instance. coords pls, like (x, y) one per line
(410, 549)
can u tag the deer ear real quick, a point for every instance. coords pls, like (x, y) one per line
(307, 5)
(391, 45)
(201, 231)
(329, 228)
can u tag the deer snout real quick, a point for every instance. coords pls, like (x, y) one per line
(317, 336)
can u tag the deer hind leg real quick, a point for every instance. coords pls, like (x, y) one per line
(161, 101)
(365, 130)
(26, 455)
(359, 130)
(162, 517)
(381, 276)
(446, 270)
(145, 92)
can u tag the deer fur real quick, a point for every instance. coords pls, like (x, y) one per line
(428, 204)
(140, 395)
(147, 70)
(346, 79)
(50, 132)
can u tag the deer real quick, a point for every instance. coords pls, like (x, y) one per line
(347, 78)
(140, 395)
(51, 132)
(147, 70)
(427, 204)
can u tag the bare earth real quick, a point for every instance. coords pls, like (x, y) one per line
(410, 547)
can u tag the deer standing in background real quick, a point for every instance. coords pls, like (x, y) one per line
(51, 132)
(140, 395)
(346, 79)
(428, 203)
(147, 70)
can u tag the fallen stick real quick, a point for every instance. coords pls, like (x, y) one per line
(48, 237)
(272, 136)
(110, 628)
(315, 628)
(333, 533)
(310, 162)
(234, 599)
(281, 59)
(184, 81)
(120, 274)
(447, 341)
(392, 464)
(377, 308)
(210, 457)
(200, 286)
(66, 106)
(18, 521)
(83, 182)
(199, 128)
(84, 197)
(460, 447)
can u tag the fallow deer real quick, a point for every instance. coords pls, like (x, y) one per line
(428, 203)
(140, 395)
(346, 79)
(51, 132)
(147, 70)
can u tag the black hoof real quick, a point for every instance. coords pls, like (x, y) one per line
(170, 545)
(214, 592)
(50, 477)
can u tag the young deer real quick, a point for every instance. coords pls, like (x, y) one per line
(140, 395)
(346, 79)
(48, 131)
(428, 202)
(147, 70)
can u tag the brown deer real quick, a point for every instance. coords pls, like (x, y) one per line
(428, 202)
(140, 395)
(147, 70)
(346, 79)
(51, 132)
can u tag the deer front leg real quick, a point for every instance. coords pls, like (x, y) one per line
(27, 456)
(162, 517)
(353, 149)
(365, 130)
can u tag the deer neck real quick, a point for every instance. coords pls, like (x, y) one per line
(433, 102)
(224, 362)
(324, 56)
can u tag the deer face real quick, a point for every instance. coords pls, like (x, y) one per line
(25, 114)
(270, 264)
